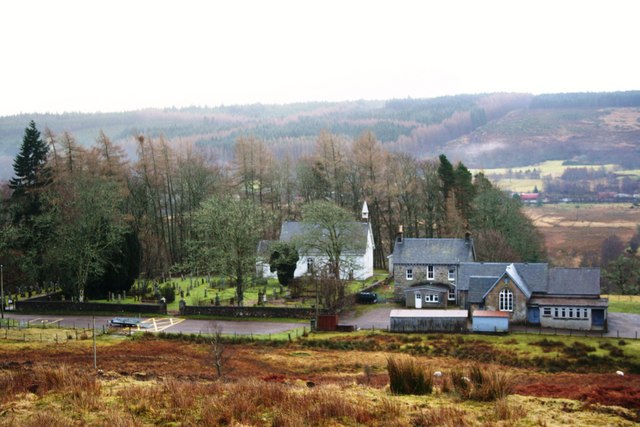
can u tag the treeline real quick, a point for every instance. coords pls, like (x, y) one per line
(93, 221)
(620, 263)
(408, 124)
(585, 181)
(587, 100)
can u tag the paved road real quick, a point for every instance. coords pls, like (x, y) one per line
(377, 318)
(624, 325)
(158, 324)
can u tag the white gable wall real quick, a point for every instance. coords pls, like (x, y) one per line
(363, 264)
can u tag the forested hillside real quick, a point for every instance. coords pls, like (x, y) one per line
(93, 220)
(481, 130)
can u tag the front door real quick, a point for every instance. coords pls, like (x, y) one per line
(418, 300)
(597, 317)
(533, 315)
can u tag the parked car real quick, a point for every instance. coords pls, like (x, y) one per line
(367, 298)
(124, 322)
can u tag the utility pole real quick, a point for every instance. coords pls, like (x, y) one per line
(2, 291)
(95, 356)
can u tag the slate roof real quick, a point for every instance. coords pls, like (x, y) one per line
(512, 271)
(478, 286)
(569, 301)
(574, 281)
(433, 251)
(431, 286)
(291, 230)
(534, 275)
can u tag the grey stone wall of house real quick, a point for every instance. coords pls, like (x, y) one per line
(492, 302)
(440, 275)
(429, 324)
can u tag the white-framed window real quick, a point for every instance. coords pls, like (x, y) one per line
(452, 274)
(432, 298)
(569, 313)
(430, 273)
(310, 265)
(506, 300)
(409, 274)
(452, 294)
(546, 312)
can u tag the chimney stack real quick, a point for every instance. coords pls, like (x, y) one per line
(400, 234)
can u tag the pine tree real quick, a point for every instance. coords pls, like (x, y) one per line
(30, 212)
(445, 172)
(463, 190)
(30, 165)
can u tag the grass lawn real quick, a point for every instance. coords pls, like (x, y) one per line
(624, 303)
(520, 185)
(554, 168)
(197, 291)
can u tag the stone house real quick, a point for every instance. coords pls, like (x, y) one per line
(534, 294)
(420, 262)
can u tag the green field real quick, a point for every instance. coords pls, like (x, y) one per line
(624, 303)
(553, 168)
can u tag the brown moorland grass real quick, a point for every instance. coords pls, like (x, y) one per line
(573, 232)
(156, 382)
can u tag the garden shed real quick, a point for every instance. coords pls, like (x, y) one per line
(490, 321)
(429, 320)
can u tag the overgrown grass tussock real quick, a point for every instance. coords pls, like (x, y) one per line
(406, 376)
(482, 383)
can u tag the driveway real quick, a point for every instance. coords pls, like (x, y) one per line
(624, 325)
(375, 318)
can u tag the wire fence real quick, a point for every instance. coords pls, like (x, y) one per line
(45, 332)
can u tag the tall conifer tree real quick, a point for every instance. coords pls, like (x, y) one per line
(30, 165)
(30, 215)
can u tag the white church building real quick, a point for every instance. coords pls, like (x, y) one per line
(356, 262)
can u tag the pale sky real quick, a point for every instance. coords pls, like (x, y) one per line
(117, 55)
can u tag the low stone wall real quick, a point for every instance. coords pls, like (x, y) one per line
(39, 306)
(47, 297)
(255, 311)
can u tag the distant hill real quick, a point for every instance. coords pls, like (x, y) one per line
(487, 130)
